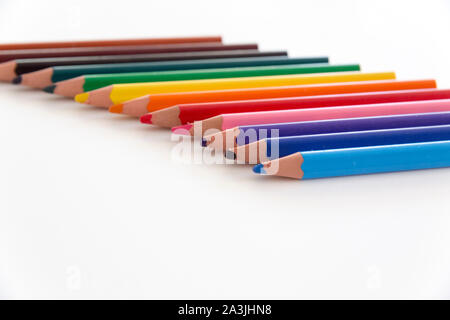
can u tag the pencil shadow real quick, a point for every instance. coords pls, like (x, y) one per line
(13, 88)
(57, 98)
(155, 129)
(6, 85)
(122, 118)
(132, 125)
(18, 88)
(90, 109)
(244, 173)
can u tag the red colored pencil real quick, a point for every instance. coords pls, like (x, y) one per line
(188, 113)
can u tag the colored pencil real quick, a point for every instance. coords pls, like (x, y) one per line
(115, 94)
(13, 69)
(105, 42)
(8, 55)
(94, 82)
(274, 148)
(354, 161)
(152, 103)
(243, 135)
(188, 113)
(231, 120)
(74, 80)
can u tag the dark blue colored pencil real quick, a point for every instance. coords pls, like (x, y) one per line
(273, 148)
(252, 133)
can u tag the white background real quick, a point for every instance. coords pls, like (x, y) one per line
(92, 206)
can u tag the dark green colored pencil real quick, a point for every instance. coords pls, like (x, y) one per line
(54, 74)
(23, 67)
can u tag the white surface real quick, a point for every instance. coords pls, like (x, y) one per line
(93, 207)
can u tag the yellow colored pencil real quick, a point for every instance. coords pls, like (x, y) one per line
(120, 93)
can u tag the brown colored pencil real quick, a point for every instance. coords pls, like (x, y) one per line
(8, 55)
(104, 42)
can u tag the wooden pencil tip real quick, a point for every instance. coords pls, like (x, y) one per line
(118, 108)
(8, 71)
(49, 89)
(259, 169)
(147, 118)
(82, 97)
(17, 80)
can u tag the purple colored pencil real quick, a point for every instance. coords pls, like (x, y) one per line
(252, 133)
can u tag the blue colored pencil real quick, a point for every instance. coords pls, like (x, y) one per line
(252, 133)
(354, 161)
(273, 148)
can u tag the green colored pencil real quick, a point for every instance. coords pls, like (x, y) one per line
(72, 87)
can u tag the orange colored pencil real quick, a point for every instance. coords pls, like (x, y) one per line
(150, 103)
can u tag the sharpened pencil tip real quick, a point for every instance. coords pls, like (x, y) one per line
(230, 155)
(117, 108)
(17, 80)
(184, 129)
(82, 97)
(147, 118)
(49, 89)
(259, 169)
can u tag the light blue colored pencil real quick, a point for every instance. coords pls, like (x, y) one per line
(353, 161)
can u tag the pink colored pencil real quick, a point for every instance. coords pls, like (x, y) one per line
(231, 120)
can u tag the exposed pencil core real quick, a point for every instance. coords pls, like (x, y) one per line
(184, 129)
(118, 108)
(230, 155)
(147, 118)
(17, 80)
(49, 89)
(259, 169)
(82, 97)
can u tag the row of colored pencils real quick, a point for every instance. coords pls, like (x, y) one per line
(297, 117)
